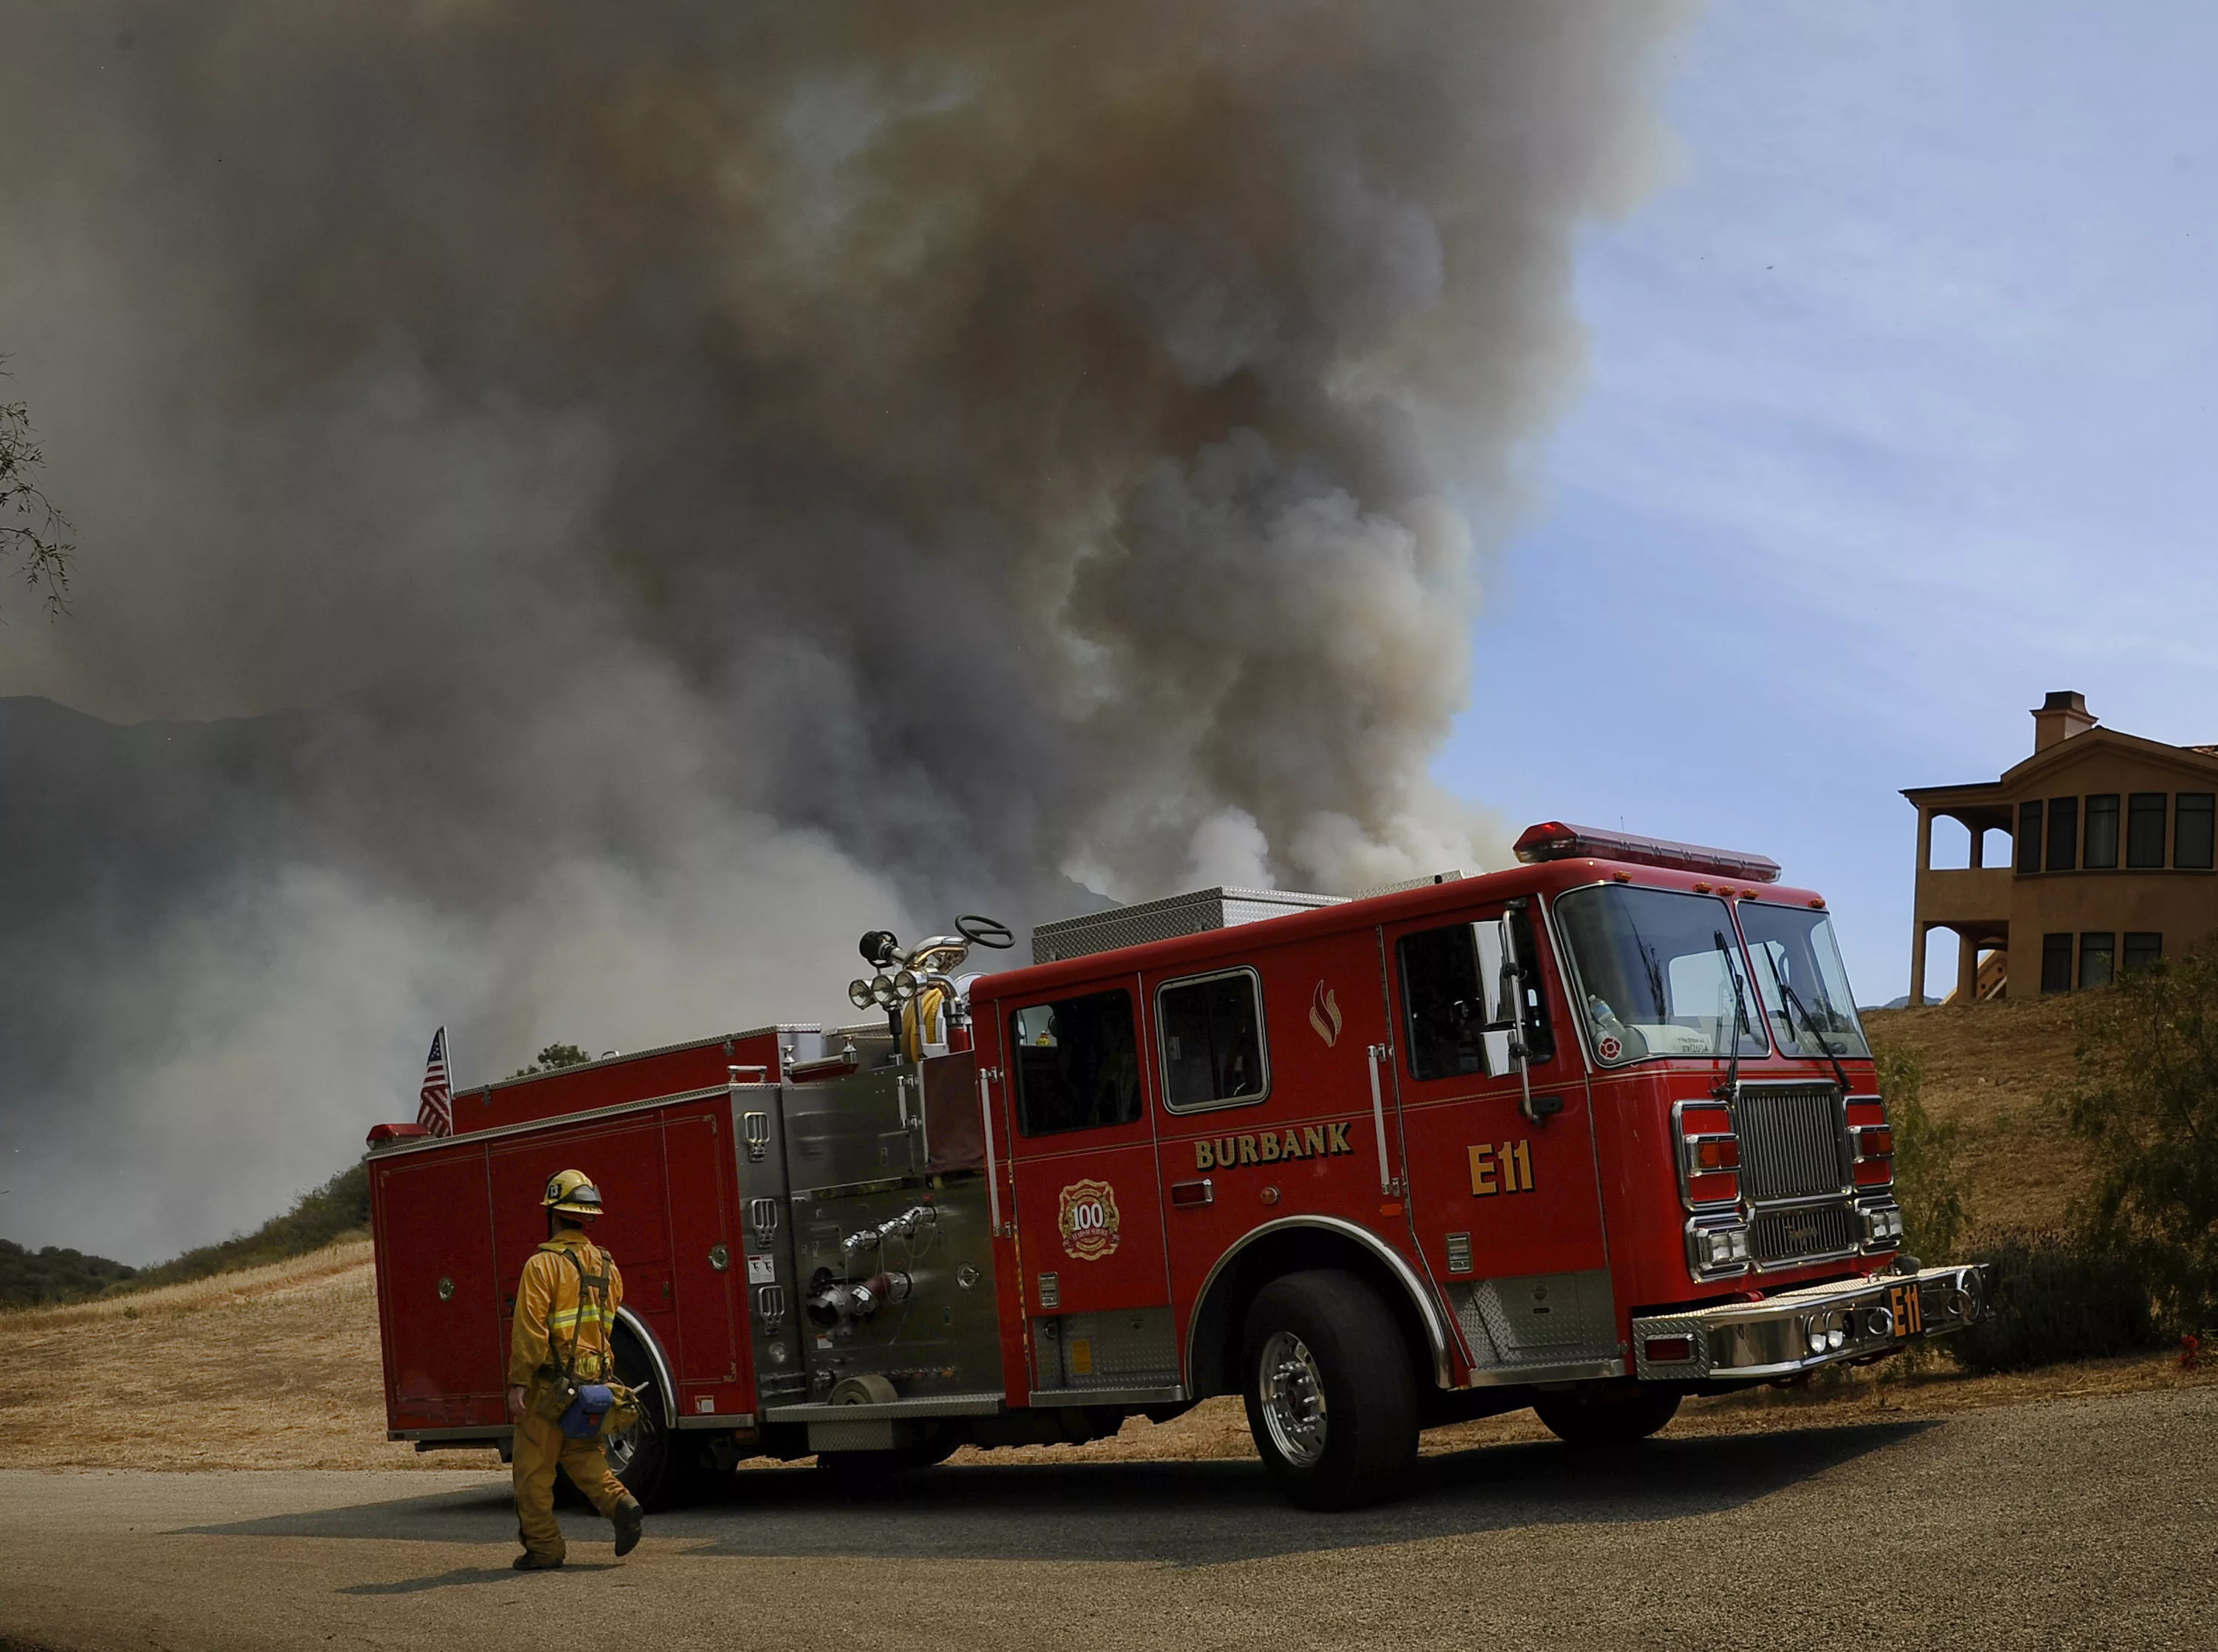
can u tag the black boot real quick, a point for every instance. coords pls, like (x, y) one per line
(629, 1520)
(530, 1562)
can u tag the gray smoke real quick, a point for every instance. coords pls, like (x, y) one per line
(711, 478)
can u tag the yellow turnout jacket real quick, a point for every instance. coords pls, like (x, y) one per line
(553, 1314)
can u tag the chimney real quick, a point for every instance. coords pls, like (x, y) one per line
(2062, 715)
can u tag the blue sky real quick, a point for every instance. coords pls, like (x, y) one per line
(1900, 415)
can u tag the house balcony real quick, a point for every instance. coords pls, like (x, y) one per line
(1975, 894)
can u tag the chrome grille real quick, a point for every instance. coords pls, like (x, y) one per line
(1777, 1236)
(1793, 1145)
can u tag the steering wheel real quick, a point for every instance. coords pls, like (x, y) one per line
(985, 931)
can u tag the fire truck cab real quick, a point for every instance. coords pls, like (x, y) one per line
(1588, 1134)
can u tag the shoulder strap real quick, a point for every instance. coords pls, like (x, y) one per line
(596, 1283)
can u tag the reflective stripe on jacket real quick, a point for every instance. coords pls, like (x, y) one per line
(552, 1312)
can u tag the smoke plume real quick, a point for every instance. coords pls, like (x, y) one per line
(703, 479)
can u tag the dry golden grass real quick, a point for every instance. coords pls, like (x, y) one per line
(1994, 1070)
(278, 1367)
(274, 1367)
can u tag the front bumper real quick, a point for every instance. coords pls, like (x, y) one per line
(1798, 1331)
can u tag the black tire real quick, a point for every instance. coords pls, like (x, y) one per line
(1332, 1398)
(1618, 1416)
(659, 1467)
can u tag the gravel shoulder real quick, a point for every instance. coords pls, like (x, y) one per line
(2075, 1522)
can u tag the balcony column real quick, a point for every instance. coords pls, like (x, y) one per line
(1917, 964)
(1967, 967)
(1925, 841)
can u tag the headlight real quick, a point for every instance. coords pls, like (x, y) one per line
(859, 994)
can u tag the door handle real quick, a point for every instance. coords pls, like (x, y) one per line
(1389, 1184)
(986, 1076)
(1192, 1196)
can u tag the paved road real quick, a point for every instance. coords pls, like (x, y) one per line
(2074, 1522)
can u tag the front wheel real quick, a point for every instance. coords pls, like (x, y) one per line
(1332, 1400)
(1609, 1417)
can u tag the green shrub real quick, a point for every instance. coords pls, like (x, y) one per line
(2059, 1298)
(553, 1059)
(1925, 1182)
(2146, 1101)
(51, 1274)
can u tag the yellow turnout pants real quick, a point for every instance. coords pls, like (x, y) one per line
(541, 1448)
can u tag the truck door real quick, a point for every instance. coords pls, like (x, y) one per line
(705, 1236)
(446, 1344)
(1088, 1213)
(1505, 1206)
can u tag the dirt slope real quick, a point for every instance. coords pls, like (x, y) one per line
(268, 1368)
(1996, 1071)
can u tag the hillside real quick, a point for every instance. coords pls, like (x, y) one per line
(1994, 1070)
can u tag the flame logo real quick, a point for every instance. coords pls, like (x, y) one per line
(1325, 1014)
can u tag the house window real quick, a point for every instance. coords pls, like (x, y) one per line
(2029, 837)
(2102, 834)
(2063, 832)
(2056, 963)
(1077, 1062)
(2145, 829)
(2143, 948)
(2098, 956)
(1212, 1032)
(2191, 831)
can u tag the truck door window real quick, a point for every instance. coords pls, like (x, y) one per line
(1540, 1040)
(1077, 1062)
(1443, 1002)
(1213, 1049)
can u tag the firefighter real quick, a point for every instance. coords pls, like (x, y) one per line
(566, 1307)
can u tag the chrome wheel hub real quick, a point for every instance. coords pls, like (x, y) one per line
(1293, 1393)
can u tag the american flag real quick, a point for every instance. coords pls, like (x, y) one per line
(435, 1112)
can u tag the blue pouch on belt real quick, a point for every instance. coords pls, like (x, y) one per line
(583, 1419)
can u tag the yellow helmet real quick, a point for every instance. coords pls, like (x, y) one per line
(573, 1192)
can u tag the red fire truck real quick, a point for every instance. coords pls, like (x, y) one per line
(1588, 1134)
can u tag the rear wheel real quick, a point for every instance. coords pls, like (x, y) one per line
(657, 1465)
(1332, 1400)
(1607, 1417)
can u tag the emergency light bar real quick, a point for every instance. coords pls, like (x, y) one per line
(1554, 840)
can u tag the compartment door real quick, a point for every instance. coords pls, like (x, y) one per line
(706, 1255)
(446, 1344)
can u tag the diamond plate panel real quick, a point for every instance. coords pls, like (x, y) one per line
(1133, 1347)
(1539, 1319)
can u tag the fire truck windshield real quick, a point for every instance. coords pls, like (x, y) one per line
(1653, 979)
(1805, 987)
